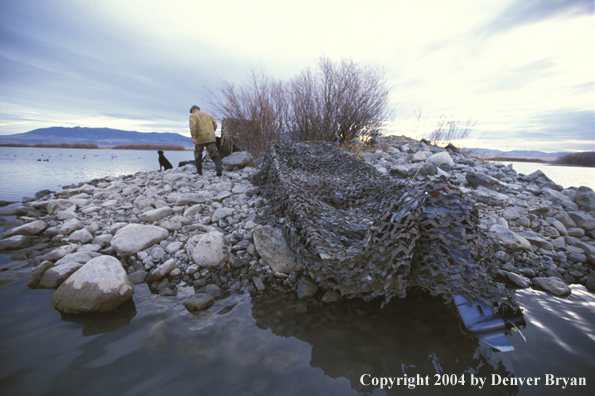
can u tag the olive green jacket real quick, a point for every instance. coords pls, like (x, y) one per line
(202, 127)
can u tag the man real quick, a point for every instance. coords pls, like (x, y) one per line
(202, 129)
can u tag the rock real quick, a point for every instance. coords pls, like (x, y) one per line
(58, 205)
(212, 250)
(221, 213)
(558, 198)
(239, 159)
(442, 160)
(188, 198)
(155, 214)
(539, 177)
(214, 290)
(536, 240)
(555, 286)
(54, 276)
(33, 228)
(37, 272)
(82, 236)
(100, 285)
(583, 220)
(585, 199)
(427, 169)
(80, 257)
(513, 212)
(419, 156)
(14, 242)
(517, 280)
(509, 239)
(490, 197)
(138, 277)
(162, 270)
(565, 219)
(330, 296)
(199, 302)
(576, 232)
(59, 252)
(477, 179)
(258, 283)
(136, 237)
(272, 247)
(306, 288)
(70, 226)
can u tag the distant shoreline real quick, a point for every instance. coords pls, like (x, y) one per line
(93, 146)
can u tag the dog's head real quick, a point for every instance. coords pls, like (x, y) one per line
(160, 152)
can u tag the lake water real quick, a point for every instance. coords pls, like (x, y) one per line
(566, 176)
(261, 346)
(25, 171)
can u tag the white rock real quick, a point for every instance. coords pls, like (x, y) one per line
(508, 238)
(272, 247)
(136, 237)
(442, 160)
(33, 228)
(82, 236)
(156, 214)
(211, 250)
(100, 285)
(70, 226)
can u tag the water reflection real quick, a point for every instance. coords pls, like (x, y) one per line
(417, 335)
(103, 322)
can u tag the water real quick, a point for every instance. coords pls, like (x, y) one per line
(566, 176)
(21, 174)
(260, 346)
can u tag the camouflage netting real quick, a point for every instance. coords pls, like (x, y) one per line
(366, 234)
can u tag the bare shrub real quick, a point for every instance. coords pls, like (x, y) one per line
(449, 130)
(254, 113)
(335, 102)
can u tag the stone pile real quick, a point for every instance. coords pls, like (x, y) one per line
(175, 228)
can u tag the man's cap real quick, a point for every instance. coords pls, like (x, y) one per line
(194, 107)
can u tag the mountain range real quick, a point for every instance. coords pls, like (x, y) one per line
(103, 137)
(107, 137)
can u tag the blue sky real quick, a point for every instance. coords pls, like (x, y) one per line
(524, 69)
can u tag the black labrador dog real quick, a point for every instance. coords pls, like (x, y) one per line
(163, 162)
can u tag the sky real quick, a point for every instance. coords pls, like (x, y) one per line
(522, 70)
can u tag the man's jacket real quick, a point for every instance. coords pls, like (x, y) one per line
(202, 127)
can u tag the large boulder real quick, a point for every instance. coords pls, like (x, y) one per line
(490, 197)
(136, 237)
(33, 228)
(58, 205)
(156, 214)
(55, 276)
(14, 242)
(585, 199)
(212, 250)
(553, 285)
(239, 160)
(477, 179)
(583, 220)
(272, 247)
(509, 239)
(100, 285)
(558, 198)
(442, 160)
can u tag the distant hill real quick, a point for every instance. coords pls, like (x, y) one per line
(527, 154)
(103, 137)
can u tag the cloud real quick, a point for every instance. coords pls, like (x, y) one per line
(139, 65)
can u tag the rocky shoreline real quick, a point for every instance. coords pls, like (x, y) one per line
(94, 241)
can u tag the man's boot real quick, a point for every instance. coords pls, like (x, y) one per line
(198, 166)
(219, 166)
